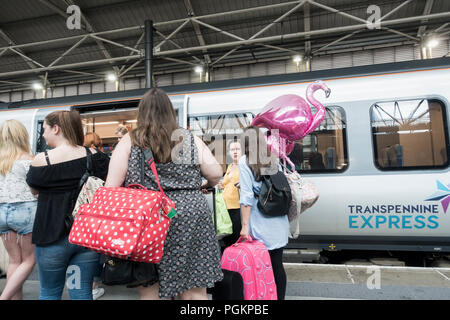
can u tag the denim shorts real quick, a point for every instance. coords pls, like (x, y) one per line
(17, 217)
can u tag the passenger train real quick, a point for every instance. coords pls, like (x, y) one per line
(380, 158)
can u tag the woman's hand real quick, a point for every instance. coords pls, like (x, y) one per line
(220, 185)
(204, 188)
(245, 231)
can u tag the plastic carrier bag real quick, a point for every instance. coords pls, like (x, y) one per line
(224, 223)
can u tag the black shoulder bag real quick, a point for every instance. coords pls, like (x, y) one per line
(275, 196)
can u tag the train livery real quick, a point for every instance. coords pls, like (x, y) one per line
(380, 159)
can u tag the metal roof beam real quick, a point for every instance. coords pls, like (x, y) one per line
(350, 28)
(91, 30)
(198, 31)
(279, 19)
(426, 11)
(178, 46)
(395, 9)
(68, 51)
(69, 66)
(240, 38)
(330, 9)
(30, 62)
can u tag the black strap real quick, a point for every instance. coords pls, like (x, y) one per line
(88, 168)
(46, 157)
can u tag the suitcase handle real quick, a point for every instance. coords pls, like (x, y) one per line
(249, 238)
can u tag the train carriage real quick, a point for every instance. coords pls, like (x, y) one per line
(380, 159)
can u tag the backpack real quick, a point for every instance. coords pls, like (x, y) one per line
(275, 196)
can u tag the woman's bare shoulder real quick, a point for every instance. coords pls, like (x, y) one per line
(39, 160)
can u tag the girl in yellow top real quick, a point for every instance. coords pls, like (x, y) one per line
(230, 187)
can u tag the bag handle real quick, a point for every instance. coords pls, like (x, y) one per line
(147, 157)
(249, 238)
(88, 168)
(137, 186)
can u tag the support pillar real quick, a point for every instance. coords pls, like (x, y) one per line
(148, 53)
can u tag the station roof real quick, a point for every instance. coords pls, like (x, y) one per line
(36, 42)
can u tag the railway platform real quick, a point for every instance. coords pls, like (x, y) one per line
(308, 281)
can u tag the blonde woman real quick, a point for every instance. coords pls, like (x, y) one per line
(17, 206)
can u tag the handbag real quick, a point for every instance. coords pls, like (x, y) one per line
(126, 222)
(86, 188)
(88, 185)
(224, 223)
(117, 271)
(304, 196)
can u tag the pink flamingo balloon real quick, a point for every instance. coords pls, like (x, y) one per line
(291, 115)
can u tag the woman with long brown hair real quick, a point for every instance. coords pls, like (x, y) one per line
(17, 206)
(272, 231)
(191, 259)
(56, 175)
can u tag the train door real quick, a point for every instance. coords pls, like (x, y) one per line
(110, 121)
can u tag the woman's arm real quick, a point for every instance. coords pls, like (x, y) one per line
(246, 196)
(209, 167)
(37, 161)
(245, 220)
(118, 165)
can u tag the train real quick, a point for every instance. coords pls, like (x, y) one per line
(380, 158)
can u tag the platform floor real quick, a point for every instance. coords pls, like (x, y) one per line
(323, 282)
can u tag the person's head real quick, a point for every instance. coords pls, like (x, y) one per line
(259, 158)
(14, 142)
(235, 150)
(92, 140)
(156, 121)
(121, 131)
(63, 126)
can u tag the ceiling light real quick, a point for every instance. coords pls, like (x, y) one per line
(432, 43)
(111, 77)
(297, 58)
(37, 86)
(198, 69)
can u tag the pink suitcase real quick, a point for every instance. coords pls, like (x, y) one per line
(251, 259)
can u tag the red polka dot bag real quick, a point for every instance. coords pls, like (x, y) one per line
(127, 223)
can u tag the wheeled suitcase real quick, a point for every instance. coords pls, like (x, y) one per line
(230, 288)
(252, 260)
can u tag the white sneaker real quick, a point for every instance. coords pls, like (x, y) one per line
(97, 293)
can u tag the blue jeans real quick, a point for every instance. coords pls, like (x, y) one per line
(63, 258)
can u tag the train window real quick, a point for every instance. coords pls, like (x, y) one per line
(325, 149)
(217, 130)
(105, 124)
(41, 145)
(409, 134)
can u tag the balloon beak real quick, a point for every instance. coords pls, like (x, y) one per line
(327, 93)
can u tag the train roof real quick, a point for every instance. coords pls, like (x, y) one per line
(386, 68)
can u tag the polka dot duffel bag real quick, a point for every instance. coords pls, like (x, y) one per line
(125, 222)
